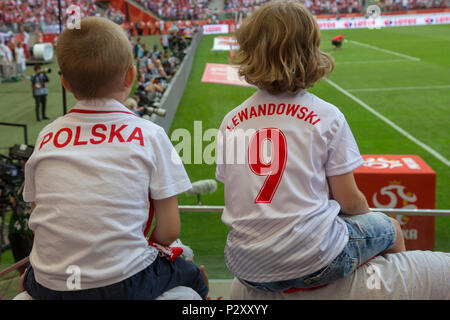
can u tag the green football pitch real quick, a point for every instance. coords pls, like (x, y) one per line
(392, 84)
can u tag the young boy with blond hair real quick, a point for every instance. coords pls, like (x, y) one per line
(286, 202)
(90, 180)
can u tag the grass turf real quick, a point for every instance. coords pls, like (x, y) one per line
(423, 113)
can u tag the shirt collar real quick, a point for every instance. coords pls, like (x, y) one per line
(99, 106)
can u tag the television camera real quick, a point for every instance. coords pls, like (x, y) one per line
(46, 70)
(11, 167)
(11, 184)
(150, 104)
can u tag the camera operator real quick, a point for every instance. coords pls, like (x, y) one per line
(176, 43)
(155, 52)
(152, 86)
(143, 107)
(146, 99)
(19, 234)
(143, 89)
(40, 90)
(11, 185)
(157, 75)
(170, 66)
(132, 104)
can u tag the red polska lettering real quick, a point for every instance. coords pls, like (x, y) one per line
(99, 133)
(65, 142)
(46, 139)
(136, 135)
(77, 141)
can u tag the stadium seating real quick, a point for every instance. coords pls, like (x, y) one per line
(177, 293)
(177, 9)
(410, 275)
(36, 14)
(320, 7)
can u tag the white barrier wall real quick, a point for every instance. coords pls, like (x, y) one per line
(385, 21)
(215, 29)
(360, 22)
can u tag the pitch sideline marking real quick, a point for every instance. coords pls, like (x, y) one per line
(384, 50)
(433, 152)
(373, 61)
(399, 88)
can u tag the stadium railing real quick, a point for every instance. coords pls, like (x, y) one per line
(24, 126)
(393, 211)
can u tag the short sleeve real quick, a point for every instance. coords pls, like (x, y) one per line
(220, 161)
(168, 177)
(343, 152)
(29, 188)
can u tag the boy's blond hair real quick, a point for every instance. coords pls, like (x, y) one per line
(279, 48)
(95, 58)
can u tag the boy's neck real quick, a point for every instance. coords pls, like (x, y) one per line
(118, 97)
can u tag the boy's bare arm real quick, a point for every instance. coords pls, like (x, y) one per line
(167, 217)
(344, 190)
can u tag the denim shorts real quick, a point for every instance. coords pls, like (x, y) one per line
(369, 235)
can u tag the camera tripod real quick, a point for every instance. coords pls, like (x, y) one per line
(4, 203)
(21, 245)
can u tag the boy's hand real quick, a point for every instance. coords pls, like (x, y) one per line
(171, 253)
(205, 276)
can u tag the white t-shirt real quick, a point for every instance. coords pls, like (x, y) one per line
(90, 176)
(284, 226)
(5, 54)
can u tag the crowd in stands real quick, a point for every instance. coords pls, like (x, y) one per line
(318, 7)
(21, 18)
(404, 5)
(198, 9)
(156, 67)
(34, 15)
(177, 9)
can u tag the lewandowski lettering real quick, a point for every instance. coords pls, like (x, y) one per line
(292, 110)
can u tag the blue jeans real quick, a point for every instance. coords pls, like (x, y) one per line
(148, 284)
(369, 235)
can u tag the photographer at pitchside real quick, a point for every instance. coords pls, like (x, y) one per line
(40, 90)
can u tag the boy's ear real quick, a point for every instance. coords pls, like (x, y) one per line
(65, 85)
(130, 76)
